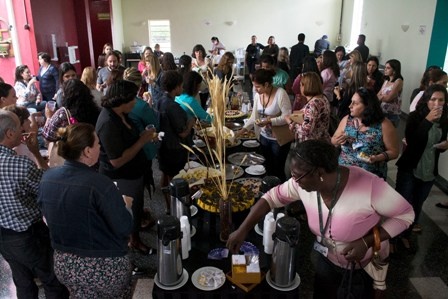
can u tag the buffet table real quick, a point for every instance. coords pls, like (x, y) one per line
(202, 243)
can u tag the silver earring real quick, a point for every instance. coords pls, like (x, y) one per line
(321, 178)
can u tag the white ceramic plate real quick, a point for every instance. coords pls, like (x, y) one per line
(182, 282)
(251, 143)
(295, 284)
(195, 279)
(256, 170)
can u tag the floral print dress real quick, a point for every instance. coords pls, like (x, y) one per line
(316, 115)
(370, 142)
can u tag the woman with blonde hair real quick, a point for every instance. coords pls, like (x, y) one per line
(152, 76)
(145, 54)
(347, 72)
(225, 66)
(89, 77)
(344, 96)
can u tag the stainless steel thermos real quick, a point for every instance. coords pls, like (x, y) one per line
(283, 264)
(180, 198)
(169, 267)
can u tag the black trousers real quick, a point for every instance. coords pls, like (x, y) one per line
(29, 255)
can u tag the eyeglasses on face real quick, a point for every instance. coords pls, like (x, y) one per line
(297, 179)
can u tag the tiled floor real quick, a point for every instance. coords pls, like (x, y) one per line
(423, 274)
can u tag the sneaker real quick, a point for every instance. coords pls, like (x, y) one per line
(417, 228)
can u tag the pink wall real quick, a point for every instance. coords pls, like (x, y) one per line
(55, 17)
(70, 20)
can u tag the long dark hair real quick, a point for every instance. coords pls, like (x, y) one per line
(191, 81)
(64, 68)
(372, 114)
(422, 105)
(396, 66)
(329, 60)
(79, 101)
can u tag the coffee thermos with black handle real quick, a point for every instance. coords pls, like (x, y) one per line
(169, 261)
(283, 263)
(180, 198)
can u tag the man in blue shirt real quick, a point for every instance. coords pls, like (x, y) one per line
(321, 45)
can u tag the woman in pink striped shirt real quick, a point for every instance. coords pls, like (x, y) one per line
(343, 204)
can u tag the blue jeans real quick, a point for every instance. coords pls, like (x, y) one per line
(414, 190)
(275, 156)
(29, 254)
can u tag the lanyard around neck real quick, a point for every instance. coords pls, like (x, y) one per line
(333, 202)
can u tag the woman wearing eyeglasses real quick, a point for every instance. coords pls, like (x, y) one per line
(343, 204)
(367, 139)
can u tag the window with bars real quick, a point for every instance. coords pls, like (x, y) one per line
(160, 33)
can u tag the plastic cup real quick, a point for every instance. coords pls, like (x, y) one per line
(51, 105)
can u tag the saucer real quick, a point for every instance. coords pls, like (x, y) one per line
(182, 281)
(251, 143)
(256, 170)
(295, 284)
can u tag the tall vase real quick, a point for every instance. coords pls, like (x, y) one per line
(225, 219)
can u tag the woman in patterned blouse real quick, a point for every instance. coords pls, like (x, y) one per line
(316, 113)
(367, 139)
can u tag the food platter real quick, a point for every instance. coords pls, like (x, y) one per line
(241, 196)
(247, 135)
(253, 184)
(246, 159)
(231, 114)
(197, 175)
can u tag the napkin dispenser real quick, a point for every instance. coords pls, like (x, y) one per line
(246, 268)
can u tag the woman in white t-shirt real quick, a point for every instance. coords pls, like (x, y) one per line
(271, 105)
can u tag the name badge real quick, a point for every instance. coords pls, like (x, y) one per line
(356, 145)
(320, 248)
